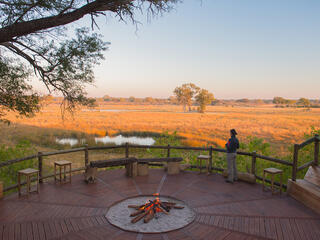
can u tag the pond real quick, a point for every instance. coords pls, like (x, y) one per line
(70, 141)
(119, 140)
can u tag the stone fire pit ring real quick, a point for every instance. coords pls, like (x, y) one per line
(118, 215)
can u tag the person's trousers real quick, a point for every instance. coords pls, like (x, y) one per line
(232, 167)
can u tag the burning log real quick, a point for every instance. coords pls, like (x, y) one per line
(149, 216)
(141, 210)
(178, 207)
(169, 203)
(136, 213)
(138, 218)
(164, 207)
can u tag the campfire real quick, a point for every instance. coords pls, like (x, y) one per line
(152, 209)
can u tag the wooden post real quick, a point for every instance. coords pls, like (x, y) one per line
(295, 162)
(316, 150)
(127, 150)
(1, 189)
(210, 160)
(253, 162)
(86, 155)
(40, 158)
(168, 153)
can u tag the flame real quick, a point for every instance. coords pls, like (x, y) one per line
(155, 204)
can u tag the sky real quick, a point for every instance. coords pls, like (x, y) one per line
(234, 48)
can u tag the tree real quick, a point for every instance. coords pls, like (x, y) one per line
(304, 102)
(279, 100)
(185, 94)
(203, 98)
(149, 100)
(35, 41)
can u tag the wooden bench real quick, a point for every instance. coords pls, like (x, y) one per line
(132, 165)
(92, 168)
(172, 162)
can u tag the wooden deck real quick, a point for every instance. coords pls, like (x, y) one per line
(224, 211)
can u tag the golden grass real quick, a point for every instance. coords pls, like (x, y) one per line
(276, 125)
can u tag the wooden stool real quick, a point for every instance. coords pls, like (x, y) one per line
(273, 172)
(199, 162)
(29, 172)
(61, 164)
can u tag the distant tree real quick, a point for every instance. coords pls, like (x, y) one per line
(172, 100)
(203, 98)
(107, 98)
(279, 100)
(149, 100)
(259, 101)
(304, 102)
(131, 99)
(185, 94)
(215, 102)
(291, 102)
(243, 100)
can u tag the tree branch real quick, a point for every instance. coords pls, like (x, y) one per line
(24, 28)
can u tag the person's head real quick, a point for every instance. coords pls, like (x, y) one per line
(233, 132)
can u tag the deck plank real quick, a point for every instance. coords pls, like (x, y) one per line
(224, 211)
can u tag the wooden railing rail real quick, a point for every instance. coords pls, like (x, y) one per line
(307, 142)
(306, 165)
(105, 147)
(314, 162)
(271, 159)
(63, 151)
(7, 163)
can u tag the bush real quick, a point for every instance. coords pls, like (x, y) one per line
(9, 174)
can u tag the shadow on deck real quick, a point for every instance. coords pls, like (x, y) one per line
(224, 211)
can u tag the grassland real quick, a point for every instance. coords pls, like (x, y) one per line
(278, 126)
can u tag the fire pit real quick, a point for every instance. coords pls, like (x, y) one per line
(150, 214)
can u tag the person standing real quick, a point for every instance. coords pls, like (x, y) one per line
(232, 145)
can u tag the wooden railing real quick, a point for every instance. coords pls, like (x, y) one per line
(314, 162)
(254, 156)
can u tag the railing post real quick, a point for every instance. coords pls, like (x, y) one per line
(127, 150)
(210, 160)
(40, 158)
(316, 150)
(86, 155)
(253, 162)
(1, 189)
(168, 152)
(295, 162)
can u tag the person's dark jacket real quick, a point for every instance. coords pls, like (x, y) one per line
(232, 145)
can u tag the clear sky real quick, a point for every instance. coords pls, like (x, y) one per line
(233, 48)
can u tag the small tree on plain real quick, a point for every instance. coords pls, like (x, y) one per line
(304, 102)
(185, 94)
(203, 98)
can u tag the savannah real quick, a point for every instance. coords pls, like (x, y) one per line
(280, 127)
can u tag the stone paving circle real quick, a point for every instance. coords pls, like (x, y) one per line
(119, 216)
